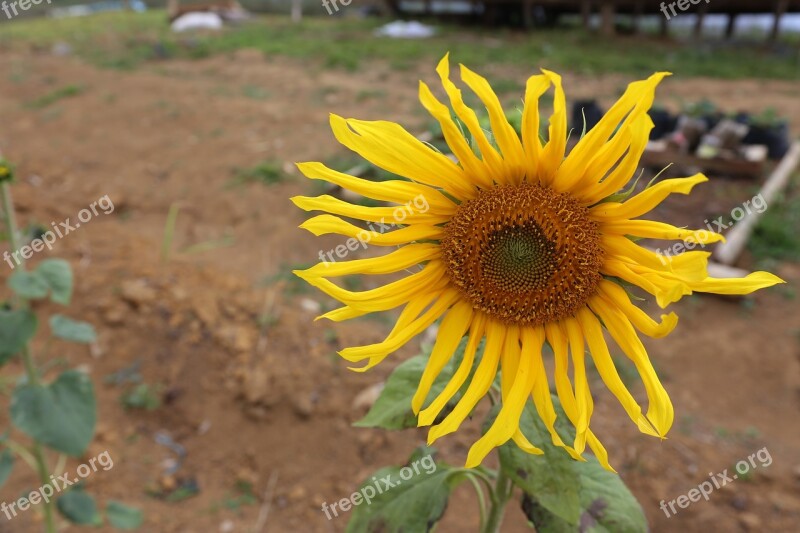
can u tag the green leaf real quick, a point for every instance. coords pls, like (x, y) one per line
(6, 465)
(562, 495)
(72, 330)
(16, 329)
(408, 501)
(61, 415)
(58, 274)
(122, 516)
(549, 478)
(79, 507)
(29, 285)
(392, 409)
(607, 506)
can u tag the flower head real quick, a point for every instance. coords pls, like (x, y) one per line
(521, 244)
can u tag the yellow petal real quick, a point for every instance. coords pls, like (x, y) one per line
(401, 259)
(616, 295)
(593, 334)
(509, 359)
(421, 197)
(746, 285)
(383, 298)
(583, 396)
(647, 200)
(454, 138)
(507, 421)
(504, 133)
(470, 120)
(650, 229)
(325, 224)
(660, 412)
(398, 338)
(477, 328)
(532, 339)
(389, 146)
(636, 100)
(626, 169)
(619, 247)
(454, 325)
(480, 384)
(534, 89)
(554, 150)
(384, 215)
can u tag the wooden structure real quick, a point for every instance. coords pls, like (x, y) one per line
(491, 10)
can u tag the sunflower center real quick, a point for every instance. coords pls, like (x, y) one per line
(523, 254)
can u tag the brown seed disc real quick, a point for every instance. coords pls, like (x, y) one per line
(523, 254)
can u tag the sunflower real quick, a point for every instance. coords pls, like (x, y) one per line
(520, 244)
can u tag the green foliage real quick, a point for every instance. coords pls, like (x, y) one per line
(143, 396)
(72, 330)
(79, 507)
(404, 503)
(265, 173)
(60, 415)
(776, 236)
(17, 328)
(54, 96)
(123, 516)
(126, 40)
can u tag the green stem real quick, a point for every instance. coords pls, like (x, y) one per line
(27, 358)
(502, 493)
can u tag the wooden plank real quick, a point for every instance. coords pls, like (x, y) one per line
(728, 252)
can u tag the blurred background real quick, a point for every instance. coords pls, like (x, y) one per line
(223, 404)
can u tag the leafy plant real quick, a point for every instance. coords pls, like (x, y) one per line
(51, 415)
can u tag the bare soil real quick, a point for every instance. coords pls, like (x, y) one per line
(251, 403)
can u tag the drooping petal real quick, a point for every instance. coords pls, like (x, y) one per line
(454, 325)
(660, 412)
(476, 168)
(554, 150)
(616, 295)
(650, 229)
(647, 200)
(504, 133)
(389, 146)
(534, 90)
(593, 334)
(507, 422)
(401, 259)
(478, 387)
(746, 285)
(325, 224)
(390, 215)
(476, 332)
(395, 191)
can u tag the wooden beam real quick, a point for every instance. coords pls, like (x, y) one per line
(781, 6)
(698, 25)
(586, 13)
(731, 27)
(607, 15)
(728, 252)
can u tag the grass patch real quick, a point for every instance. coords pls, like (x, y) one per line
(52, 97)
(125, 40)
(266, 173)
(776, 236)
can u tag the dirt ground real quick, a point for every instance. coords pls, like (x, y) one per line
(272, 406)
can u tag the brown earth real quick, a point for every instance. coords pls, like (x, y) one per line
(256, 404)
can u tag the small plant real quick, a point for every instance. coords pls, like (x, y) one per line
(51, 416)
(142, 396)
(265, 173)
